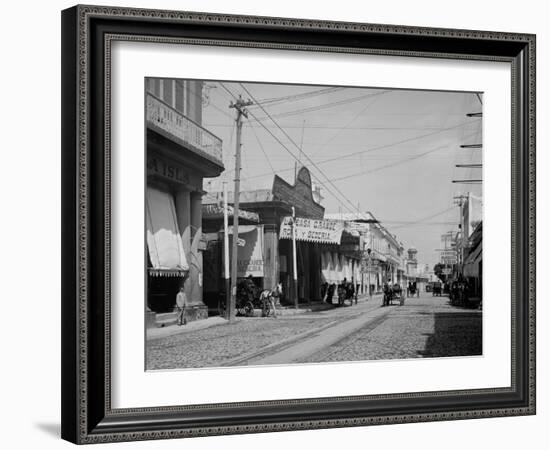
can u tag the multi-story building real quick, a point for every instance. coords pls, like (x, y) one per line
(382, 253)
(326, 250)
(180, 154)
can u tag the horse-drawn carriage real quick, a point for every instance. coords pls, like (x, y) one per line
(250, 297)
(412, 289)
(346, 291)
(393, 292)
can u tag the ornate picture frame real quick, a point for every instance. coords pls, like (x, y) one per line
(88, 33)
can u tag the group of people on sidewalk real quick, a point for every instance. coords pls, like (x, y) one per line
(345, 291)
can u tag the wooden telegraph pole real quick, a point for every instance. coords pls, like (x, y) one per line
(226, 272)
(294, 258)
(239, 106)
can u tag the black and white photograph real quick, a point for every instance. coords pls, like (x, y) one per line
(293, 224)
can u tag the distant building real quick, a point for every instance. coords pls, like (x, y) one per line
(385, 261)
(412, 263)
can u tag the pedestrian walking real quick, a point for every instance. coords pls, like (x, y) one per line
(324, 291)
(387, 293)
(181, 304)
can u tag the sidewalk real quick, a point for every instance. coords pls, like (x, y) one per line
(319, 306)
(172, 329)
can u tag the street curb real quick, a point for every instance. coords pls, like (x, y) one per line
(174, 330)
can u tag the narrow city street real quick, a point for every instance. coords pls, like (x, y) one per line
(424, 326)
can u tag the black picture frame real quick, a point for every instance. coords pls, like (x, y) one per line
(87, 33)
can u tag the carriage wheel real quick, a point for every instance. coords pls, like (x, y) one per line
(249, 309)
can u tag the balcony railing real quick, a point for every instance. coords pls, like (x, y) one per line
(192, 135)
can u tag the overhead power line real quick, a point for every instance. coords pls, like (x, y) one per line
(343, 196)
(387, 166)
(331, 159)
(322, 106)
(431, 216)
(298, 97)
(383, 146)
(281, 143)
(263, 150)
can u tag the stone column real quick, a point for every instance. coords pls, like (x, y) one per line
(189, 218)
(195, 262)
(271, 256)
(183, 215)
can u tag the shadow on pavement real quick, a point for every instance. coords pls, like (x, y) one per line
(455, 334)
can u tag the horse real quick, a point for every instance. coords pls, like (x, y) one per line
(391, 292)
(267, 300)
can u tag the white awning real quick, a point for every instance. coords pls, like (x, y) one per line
(163, 238)
(326, 267)
(250, 250)
(347, 269)
(242, 229)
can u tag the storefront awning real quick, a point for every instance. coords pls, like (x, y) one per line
(250, 250)
(471, 263)
(163, 238)
(392, 260)
(375, 256)
(474, 256)
(313, 230)
(214, 211)
(242, 229)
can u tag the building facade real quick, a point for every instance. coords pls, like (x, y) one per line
(180, 154)
(325, 251)
(381, 256)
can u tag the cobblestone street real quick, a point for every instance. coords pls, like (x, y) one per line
(424, 327)
(216, 345)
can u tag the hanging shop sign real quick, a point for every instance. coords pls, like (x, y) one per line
(312, 230)
(250, 254)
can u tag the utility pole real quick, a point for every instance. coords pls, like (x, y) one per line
(294, 262)
(460, 201)
(239, 106)
(226, 272)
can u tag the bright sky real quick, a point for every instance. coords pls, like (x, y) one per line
(391, 152)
